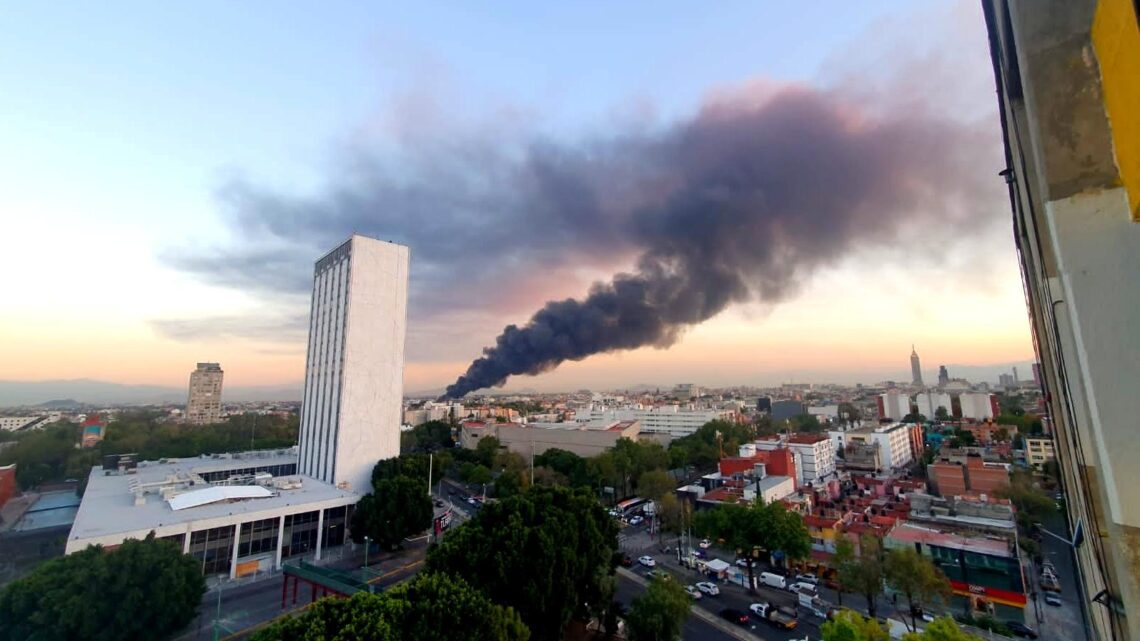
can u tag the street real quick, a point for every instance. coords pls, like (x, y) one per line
(1064, 623)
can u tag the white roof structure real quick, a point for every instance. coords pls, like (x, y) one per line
(716, 565)
(209, 495)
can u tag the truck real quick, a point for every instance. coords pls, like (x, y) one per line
(780, 617)
(814, 604)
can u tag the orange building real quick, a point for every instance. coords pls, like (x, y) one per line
(951, 478)
(7, 483)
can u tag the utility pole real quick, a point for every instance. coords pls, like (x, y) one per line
(218, 616)
(429, 473)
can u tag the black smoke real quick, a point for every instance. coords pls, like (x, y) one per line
(745, 201)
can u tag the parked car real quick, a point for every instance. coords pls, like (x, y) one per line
(704, 544)
(438, 503)
(734, 615)
(708, 588)
(1019, 629)
(659, 574)
(637, 520)
(626, 561)
(743, 563)
(1052, 598)
(700, 554)
(807, 578)
(647, 561)
(693, 592)
(831, 583)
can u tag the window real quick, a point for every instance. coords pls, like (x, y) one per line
(214, 548)
(300, 534)
(258, 537)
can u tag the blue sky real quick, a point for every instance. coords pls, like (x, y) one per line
(120, 121)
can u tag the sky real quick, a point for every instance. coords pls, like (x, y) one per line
(170, 173)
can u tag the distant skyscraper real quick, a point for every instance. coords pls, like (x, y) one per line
(354, 374)
(943, 376)
(915, 367)
(204, 404)
(1016, 380)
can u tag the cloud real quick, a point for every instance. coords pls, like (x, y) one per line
(268, 327)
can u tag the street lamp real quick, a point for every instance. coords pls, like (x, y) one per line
(367, 543)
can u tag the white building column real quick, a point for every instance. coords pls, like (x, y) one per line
(234, 556)
(280, 540)
(320, 532)
(186, 539)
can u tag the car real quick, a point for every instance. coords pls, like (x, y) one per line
(626, 561)
(700, 554)
(438, 503)
(1058, 497)
(704, 544)
(803, 587)
(647, 561)
(471, 501)
(760, 610)
(708, 588)
(693, 592)
(734, 615)
(637, 520)
(1052, 598)
(1019, 629)
(807, 578)
(831, 584)
(743, 563)
(659, 574)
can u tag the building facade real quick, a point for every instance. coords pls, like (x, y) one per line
(669, 420)
(978, 406)
(1038, 451)
(893, 405)
(814, 455)
(353, 398)
(204, 404)
(888, 445)
(535, 438)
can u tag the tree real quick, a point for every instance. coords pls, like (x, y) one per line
(849, 625)
(849, 413)
(864, 575)
(941, 414)
(805, 423)
(395, 508)
(143, 589)
(434, 606)
(916, 578)
(486, 449)
(654, 484)
(914, 417)
(1001, 435)
(547, 553)
(672, 515)
(941, 629)
(659, 613)
(844, 556)
(751, 528)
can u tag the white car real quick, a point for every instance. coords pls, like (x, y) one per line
(708, 588)
(803, 587)
(704, 544)
(647, 561)
(743, 563)
(637, 520)
(807, 578)
(693, 592)
(759, 609)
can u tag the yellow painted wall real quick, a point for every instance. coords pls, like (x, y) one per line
(1116, 39)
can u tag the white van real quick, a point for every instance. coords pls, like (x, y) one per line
(773, 580)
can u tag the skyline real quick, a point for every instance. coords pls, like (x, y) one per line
(157, 260)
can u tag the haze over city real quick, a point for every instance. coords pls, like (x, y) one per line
(173, 204)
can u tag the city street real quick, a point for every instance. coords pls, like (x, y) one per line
(1064, 623)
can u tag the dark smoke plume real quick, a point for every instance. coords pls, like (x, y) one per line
(751, 196)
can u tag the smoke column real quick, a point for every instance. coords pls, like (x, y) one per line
(752, 196)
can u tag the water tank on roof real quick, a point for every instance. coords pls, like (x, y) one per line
(748, 450)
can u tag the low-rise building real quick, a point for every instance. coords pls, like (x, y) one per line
(14, 423)
(583, 439)
(985, 571)
(814, 455)
(1038, 451)
(237, 513)
(670, 420)
(950, 477)
(890, 444)
(7, 483)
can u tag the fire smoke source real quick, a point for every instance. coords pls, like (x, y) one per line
(754, 196)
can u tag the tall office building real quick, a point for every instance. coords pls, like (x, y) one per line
(204, 405)
(915, 367)
(1066, 75)
(354, 375)
(943, 376)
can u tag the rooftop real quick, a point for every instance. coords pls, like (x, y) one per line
(910, 533)
(170, 492)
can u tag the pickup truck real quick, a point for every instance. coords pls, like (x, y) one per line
(781, 617)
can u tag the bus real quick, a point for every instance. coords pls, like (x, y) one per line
(628, 507)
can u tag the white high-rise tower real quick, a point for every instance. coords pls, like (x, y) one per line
(354, 372)
(915, 367)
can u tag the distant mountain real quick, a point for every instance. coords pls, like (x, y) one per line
(65, 404)
(81, 392)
